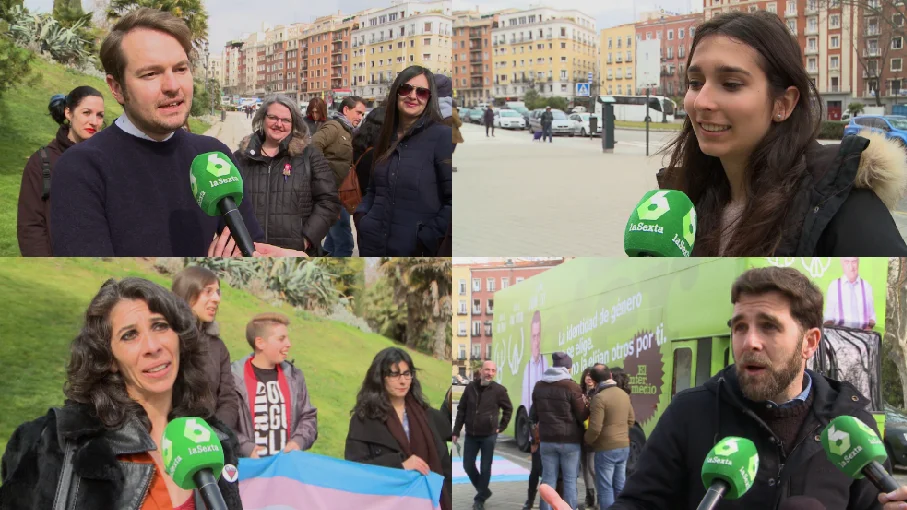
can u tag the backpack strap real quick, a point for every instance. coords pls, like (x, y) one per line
(45, 173)
(65, 482)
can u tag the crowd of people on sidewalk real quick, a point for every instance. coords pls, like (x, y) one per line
(147, 355)
(305, 175)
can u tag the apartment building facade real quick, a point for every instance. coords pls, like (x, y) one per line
(546, 49)
(461, 319)
(675, 35)
(389, 40)
(617, 49)
(473, 66)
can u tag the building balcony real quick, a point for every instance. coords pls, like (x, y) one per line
(475, 36)
(872, 31)
(337, 50)
(811, 31)
(630, 58)
(477, 311)
(812, 70)
(872, 52)
(618, 60)
(476, 73)
(618, 77)
(608, 62)
(666, 72)
(811, 51)
(789, 14)
(811, 9)
(337, 63)
(872, 73)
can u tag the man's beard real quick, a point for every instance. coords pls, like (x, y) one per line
(485, 382)
(768, 386)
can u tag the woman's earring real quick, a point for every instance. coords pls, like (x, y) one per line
(779, 116)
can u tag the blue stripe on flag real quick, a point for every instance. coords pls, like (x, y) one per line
(328, 472)
(500, 478)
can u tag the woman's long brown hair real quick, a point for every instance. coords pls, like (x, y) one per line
(776, 166)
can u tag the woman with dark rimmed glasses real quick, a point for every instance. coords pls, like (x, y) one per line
(392, 424)
(407, 208)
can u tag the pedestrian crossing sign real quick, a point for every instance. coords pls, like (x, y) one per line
(582, 89)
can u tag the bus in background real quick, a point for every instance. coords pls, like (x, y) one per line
(665, 322)
(633, 108)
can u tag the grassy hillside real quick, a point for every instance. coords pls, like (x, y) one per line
(44, 303)
(25, 126)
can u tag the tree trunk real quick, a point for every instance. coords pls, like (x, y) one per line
(439, 334)
(413, 329)
(896, 316)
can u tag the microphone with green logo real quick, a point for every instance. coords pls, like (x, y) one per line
(729, 471)
(854, 448)
(663, 224)
(192, 454)
(218, 190)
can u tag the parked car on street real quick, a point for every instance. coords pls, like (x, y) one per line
(509, 119)
(581, 124)
(893, 126)
(560, 125)
(896, 435)
(475, 116)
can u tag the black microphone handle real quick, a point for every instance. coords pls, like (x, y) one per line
(713, 495)
(238, 230)
(879, 477)
(208, 489)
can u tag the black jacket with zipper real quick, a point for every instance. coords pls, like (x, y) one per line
(294, 207)
(33, 463)
(668, 472)
(478, 410)
(843, 201)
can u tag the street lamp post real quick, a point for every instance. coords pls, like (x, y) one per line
(664, 55)
(207, 89)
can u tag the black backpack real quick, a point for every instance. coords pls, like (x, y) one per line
(45, 173)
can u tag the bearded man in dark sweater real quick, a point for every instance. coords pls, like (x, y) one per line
(767, 396)
(128, 192)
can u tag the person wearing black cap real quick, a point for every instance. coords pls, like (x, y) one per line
(559, 408)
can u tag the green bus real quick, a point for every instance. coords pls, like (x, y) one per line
(665, 322)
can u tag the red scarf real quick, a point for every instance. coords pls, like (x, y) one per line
(251, 384)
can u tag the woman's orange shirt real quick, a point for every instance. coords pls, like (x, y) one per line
(158, 497)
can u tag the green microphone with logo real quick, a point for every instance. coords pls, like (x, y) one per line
(218, 189)
(192, 455)
(663, 224)
(729, 471)
(854, 448)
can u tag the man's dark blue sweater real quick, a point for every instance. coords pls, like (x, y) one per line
(118, 195)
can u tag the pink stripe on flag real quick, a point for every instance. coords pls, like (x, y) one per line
(279, 492)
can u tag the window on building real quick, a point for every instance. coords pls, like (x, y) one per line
(896, 64)
(898, 20)
(476, 284)
(835, 42)
(897, 43)
(476, 351)
(489, 284)
(461, 328)
(670, 35)
(462, 310)
(476, 328)
(834, 63)
(834, 21)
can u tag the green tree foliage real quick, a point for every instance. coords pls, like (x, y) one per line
(193, 12)
(855, 109)
(15, 63)
(423, 286)
(42, 33)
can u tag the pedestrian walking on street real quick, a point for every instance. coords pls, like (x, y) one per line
(392, 424)
(335, 140)
(408, 206)
(559, 408)
(610, 420)
(288, 180)
(546, 119)
(535, 472)
(478, 411)
(488, 120)
(749, 159)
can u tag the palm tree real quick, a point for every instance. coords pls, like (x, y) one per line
(423, 285)
(191, 11)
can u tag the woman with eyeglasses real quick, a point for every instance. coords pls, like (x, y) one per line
(289, 181)
(392, 424)
(407, 208)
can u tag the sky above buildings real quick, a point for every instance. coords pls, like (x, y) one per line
(231, 19)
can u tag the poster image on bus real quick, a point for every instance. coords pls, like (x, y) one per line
(665, 322)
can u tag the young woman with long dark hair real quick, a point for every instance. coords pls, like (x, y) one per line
(409, 202)
(748, 157)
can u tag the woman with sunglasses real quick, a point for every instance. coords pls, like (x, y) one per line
(749, 161)
(289, 181)
(407, 208)
(392, 424)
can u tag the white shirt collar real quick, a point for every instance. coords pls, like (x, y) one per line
(127, 126)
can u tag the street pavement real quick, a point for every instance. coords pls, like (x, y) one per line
(233, 130)
(515, 197)
(512, 495)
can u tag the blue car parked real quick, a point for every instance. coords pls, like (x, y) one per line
(893, 126)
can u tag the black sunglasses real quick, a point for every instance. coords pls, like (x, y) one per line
(421, 92)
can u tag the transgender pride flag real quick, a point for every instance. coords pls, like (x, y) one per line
(307, 481)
